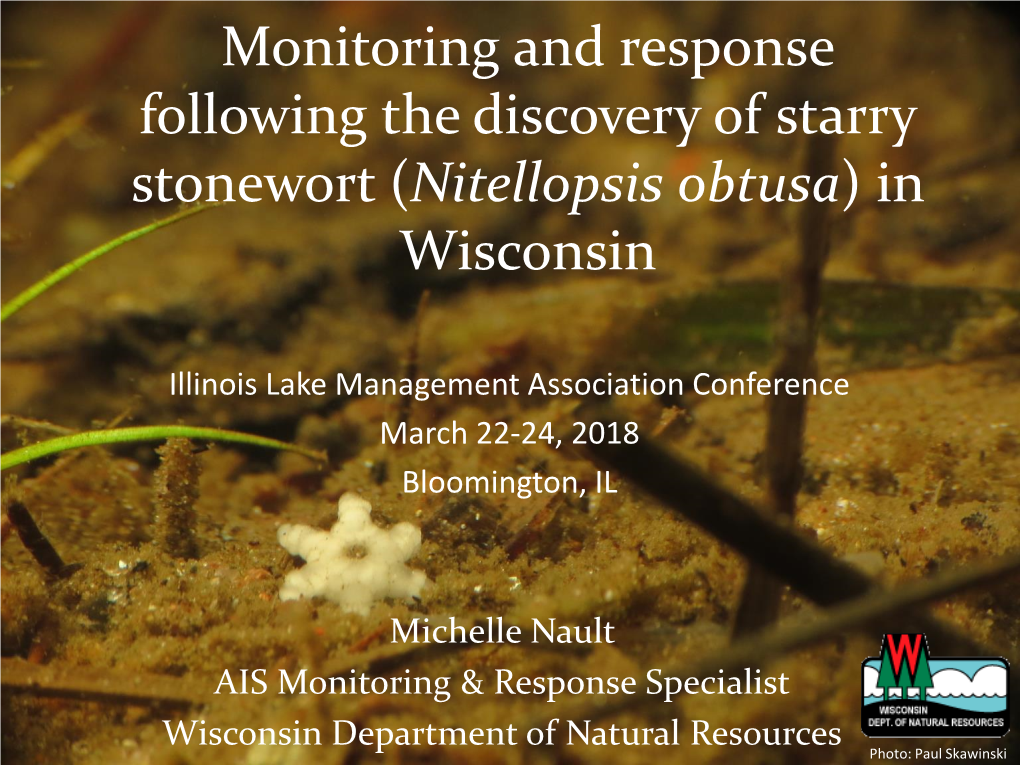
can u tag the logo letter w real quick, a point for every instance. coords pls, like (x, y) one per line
(908, 645)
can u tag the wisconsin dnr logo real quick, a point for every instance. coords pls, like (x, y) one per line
(907, 693)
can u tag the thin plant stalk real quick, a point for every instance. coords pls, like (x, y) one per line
(54, 278)
(145, 433)
(21, 166)
(801, 300)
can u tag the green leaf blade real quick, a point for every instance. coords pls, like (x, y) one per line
(143, 434)
(55, 277)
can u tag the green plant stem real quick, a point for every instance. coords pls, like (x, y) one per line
(30, 294)
(145, 433)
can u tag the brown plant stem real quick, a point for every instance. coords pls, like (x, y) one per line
(35, 541)
(81, 684)
(797, 337)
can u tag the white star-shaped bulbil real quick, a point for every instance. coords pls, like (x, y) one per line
(355, 563)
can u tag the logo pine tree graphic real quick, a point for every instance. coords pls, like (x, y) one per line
(905, 666)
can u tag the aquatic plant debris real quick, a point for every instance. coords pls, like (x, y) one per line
(354, 564)
(175, 491)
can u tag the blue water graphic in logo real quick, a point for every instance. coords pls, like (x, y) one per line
(974, 685)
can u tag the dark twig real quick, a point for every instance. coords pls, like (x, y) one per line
(798, 335)
(411, 362)
(878, 613)
(769, 543)
(35, 541)
(772, 544)
(81, 684)
(787, 414)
